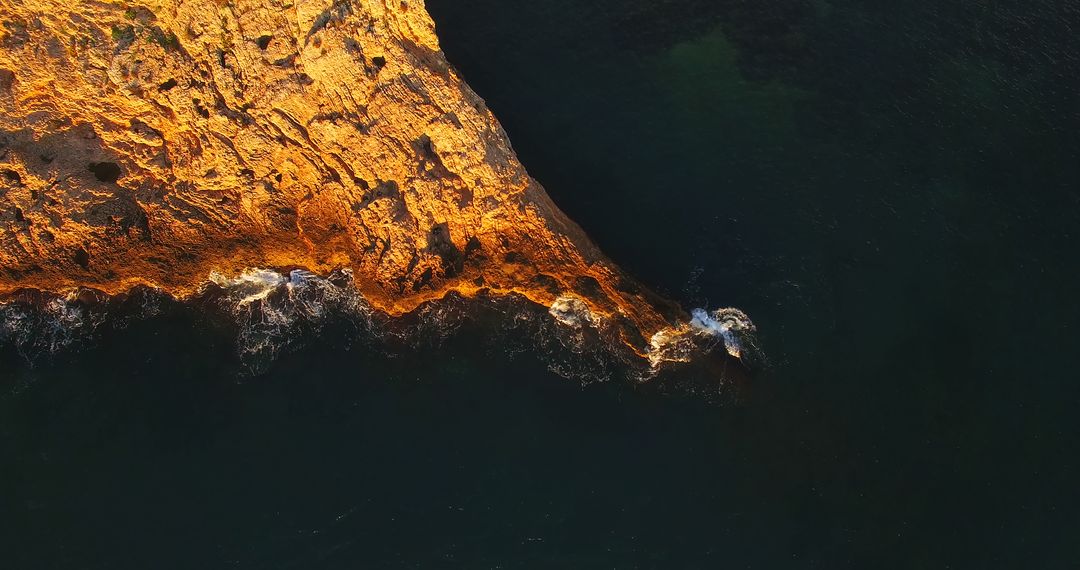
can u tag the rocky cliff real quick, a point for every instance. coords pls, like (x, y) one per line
(154, 142)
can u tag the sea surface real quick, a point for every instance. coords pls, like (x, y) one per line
(891, 190)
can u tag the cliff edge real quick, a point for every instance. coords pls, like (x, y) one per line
(155, 142)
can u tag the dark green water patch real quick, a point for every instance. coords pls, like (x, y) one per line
(890, 189)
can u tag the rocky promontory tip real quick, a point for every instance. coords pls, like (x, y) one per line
(158, 142)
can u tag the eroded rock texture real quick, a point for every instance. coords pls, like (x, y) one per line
(153, 142)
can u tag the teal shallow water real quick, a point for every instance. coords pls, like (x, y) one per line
(891, 190)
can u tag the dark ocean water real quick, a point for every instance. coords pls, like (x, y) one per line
(890, 189)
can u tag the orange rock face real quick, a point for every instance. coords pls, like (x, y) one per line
(154, 142)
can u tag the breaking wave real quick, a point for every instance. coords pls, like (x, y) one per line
(728, 328)
(275, 311)
(271, 312)
(47, 328)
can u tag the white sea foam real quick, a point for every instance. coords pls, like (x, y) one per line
(673, 344)
(274, 311)
(573, 312)
(578, 343)
(250, 286)
(57, 324)
(680, 343)
(729, 324)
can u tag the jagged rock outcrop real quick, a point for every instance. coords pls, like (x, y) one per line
(153, 142)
